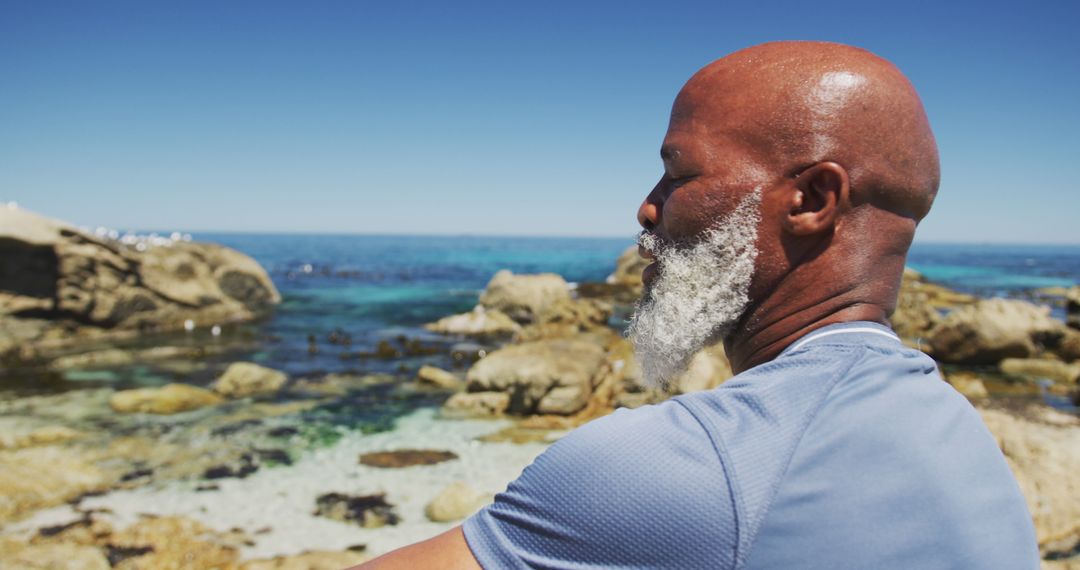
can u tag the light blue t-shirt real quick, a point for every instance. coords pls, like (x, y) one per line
(846, 451)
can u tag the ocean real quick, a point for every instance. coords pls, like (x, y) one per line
(344, 294)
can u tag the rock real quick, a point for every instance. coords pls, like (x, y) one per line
(545, 376)
(39, 477)
(569, 317)
(628, 268)
(243, 379)
(169, 543)
(438, 378)
(1069, 348)
(1072, 307)
(406, 458)
(314, 560)
(57, 556)
(169, 399)
(369, 511)
(1055, 370)
(476, 405)
(991, 330)
(523, 297)
(42, 436)
(60, 286)
(478, 322)
(968, 384)
(1043, 451)
(455, 502)
(708, 369)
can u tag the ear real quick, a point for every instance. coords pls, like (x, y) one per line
(817, 198)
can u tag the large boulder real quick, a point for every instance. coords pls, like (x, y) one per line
(169, 399)
(60, 284)
(1042, 447)
(243, 379)
(545, 376)
(919, 303)
(569, 317)
(523, 297)
(993, 329)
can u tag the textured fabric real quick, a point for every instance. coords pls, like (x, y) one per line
(846, 451)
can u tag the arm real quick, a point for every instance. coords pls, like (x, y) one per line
(446, 551)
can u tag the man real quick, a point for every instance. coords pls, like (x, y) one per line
(794, 176)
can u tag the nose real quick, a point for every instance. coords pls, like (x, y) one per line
(648, 214)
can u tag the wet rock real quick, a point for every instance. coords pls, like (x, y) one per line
(479, 322)
(243, 379)
(314, 560)
(476, 405)
(369, 511)
(545, 376)
(406, 458)
(1042, 446)
(523, 297)
(39, 477)
(61, 286)
(169, 399)
(991, 330)
(455, 502)
(438, 378)
(968, 384)
(51, 556)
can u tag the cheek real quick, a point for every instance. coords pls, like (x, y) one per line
(692, 209)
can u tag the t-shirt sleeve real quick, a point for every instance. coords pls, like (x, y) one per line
(641, 488)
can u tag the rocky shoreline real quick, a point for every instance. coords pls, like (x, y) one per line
(252, 468)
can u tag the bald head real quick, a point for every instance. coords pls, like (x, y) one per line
(795, 104)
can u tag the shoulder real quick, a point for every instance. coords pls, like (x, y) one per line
(638, 488)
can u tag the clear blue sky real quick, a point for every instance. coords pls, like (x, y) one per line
(487, 118)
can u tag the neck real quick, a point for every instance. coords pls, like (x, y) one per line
(799, 305)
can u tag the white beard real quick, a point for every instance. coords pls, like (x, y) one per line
(698, 295)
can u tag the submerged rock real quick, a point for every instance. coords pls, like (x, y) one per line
(455, 502)
(991, 330)
(523, 297)
(169, 399)
(243, 379)
(545, 376)
(60, 285)
(406, 458)
(369, 511)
